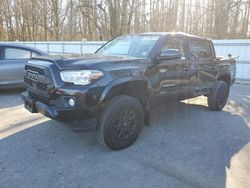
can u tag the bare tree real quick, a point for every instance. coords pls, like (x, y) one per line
(104, 19)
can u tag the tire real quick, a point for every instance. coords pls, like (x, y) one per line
(120, 123)
(217, 98)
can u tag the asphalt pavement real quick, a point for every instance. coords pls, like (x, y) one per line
(186, 145)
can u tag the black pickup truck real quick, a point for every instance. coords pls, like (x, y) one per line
(119, 84)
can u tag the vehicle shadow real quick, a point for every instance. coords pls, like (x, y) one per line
(202, 142)
(10, 98)
(185, 145)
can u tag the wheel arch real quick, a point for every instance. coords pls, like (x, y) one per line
(225, 77)
(127, 86)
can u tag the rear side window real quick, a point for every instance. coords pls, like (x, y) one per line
(199, 49)
(16, 53)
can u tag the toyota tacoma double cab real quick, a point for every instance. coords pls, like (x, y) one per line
(119, 84)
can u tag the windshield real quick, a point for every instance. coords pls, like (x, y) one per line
(135, 46)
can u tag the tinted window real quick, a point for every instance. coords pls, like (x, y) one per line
(175, 43)
(200, 49)
(34, 54)
(1, 53)
(16, 53)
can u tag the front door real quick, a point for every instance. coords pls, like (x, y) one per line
(171, 79)
(12, 65)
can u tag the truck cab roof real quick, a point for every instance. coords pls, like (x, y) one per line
(180, 34)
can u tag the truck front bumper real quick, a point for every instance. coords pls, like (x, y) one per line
(54, 111)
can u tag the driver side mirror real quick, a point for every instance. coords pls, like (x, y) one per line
(169, 54)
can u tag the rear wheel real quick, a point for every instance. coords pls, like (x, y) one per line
(217, 98)
(120, 123)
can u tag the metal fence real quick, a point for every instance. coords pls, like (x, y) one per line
(81, 47)
(239, 48)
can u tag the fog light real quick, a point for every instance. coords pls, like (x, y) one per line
(71, 102)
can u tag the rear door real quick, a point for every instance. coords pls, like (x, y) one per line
(12, 64)
(202, 59)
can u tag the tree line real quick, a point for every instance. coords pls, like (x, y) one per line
(46, 20)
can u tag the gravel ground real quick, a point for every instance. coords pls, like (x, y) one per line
(186, 145)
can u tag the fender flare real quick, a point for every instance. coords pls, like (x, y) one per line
(117, 82)
(224, 74)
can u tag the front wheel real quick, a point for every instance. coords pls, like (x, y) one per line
(217, 98)
(120, 123)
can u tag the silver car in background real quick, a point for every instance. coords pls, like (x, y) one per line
(12, 60)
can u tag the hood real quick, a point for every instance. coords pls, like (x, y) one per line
(97, 62)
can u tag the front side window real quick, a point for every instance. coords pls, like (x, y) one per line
(34, 54)
(16, 53)
(132, 45)
(199, 49)
(1, 53)
(175, 43)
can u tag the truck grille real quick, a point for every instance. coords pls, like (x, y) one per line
(39, 98)
(35, 69)
(38, 79)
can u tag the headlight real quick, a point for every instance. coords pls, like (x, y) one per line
(81, 77)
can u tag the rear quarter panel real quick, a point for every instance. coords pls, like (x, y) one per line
(227, 67)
